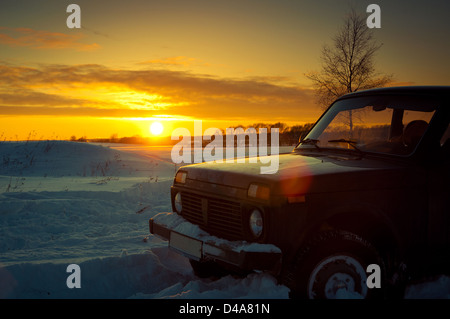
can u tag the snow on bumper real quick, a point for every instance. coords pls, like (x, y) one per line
(197, 244)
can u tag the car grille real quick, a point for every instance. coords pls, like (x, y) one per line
(217, 216)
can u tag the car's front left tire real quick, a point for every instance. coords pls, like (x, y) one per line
(333, 265)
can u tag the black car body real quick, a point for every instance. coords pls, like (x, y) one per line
(369, 184)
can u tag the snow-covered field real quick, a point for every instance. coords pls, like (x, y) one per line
(67, 203)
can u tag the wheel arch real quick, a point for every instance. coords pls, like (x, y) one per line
(370, 226)
(366, 222)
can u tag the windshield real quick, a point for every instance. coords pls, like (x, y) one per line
(381, 124)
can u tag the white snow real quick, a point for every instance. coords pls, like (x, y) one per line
(180, 225)
(64, 202)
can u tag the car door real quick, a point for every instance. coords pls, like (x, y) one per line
(445, 153)
(439, 202)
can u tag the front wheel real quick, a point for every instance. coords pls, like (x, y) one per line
(334, 266)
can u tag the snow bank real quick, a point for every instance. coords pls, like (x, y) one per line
(438, 288)
(254, 286)
(66, 202)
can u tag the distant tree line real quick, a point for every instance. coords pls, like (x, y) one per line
(288, 135)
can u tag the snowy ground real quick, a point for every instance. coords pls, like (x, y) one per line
(67, 203)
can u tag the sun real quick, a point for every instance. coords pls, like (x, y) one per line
(156, 128)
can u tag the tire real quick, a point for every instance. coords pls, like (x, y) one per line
(333, 266)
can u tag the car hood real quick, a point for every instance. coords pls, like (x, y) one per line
(301, 174)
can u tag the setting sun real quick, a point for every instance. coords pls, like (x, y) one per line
(156, 128)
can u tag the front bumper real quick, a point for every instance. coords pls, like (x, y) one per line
(189, 240)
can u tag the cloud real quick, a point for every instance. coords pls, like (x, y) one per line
(73, 111)
(96, 32)
(177, 60)
(101, 91)
(38, 39)
(24, 96)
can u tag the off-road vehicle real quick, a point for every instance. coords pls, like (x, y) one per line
(369, 184)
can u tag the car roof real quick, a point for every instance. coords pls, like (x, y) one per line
(433, 90)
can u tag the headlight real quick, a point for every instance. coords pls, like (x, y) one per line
(256, 223)
(181, 177)
(258, 191)
(177, 202)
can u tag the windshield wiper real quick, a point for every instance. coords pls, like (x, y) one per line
(349, 142)
(310, 141)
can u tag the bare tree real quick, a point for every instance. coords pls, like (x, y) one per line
(348, 65)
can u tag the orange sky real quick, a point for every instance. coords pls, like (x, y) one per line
(224, 62)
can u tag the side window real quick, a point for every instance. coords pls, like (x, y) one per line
(446, 135)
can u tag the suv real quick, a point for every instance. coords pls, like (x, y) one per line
(367, 187)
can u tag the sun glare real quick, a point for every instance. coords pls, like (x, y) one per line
(156, 128)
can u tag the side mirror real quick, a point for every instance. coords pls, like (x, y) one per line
(302, 136)
(378, 108)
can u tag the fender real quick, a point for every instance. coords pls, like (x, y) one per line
(358, 217)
